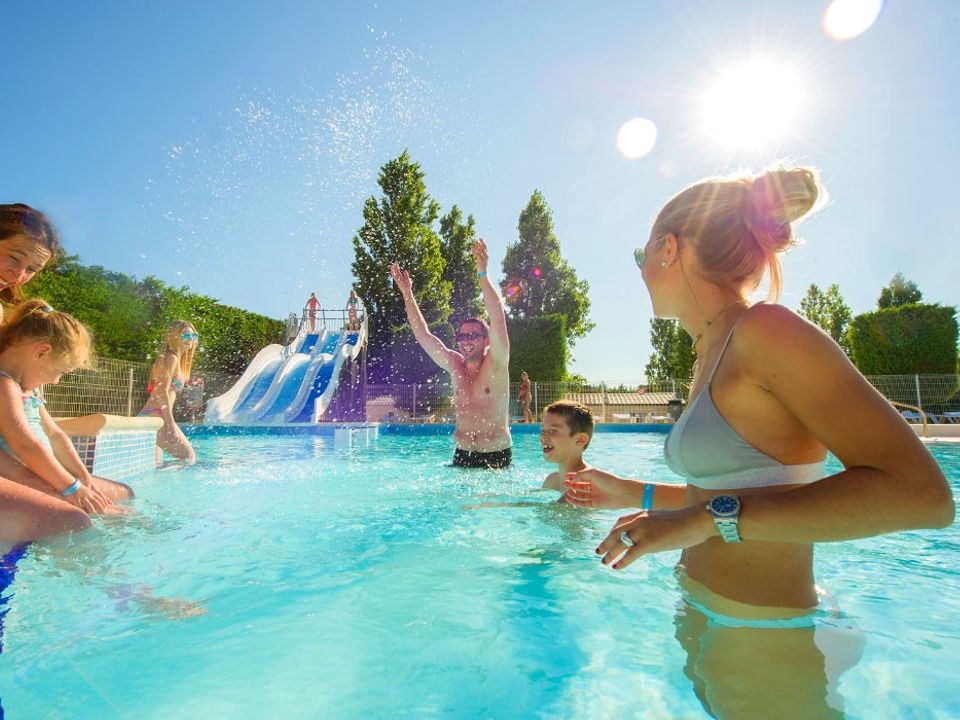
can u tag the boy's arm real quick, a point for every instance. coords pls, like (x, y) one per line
(492, 302)
(554, 481)
(431, 344)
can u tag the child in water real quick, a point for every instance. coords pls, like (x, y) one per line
(37, 346)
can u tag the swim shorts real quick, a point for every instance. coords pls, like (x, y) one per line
(475, 459)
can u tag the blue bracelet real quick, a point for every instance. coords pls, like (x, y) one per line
(481, 273)
(67, 492)
(647, 503)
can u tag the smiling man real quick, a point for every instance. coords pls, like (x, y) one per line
(479, 369)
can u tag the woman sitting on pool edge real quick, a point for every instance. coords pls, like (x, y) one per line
(169, 375)
(771, 395)
(28, 510)
(37, 345)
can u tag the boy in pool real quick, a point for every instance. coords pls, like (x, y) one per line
(565, 433)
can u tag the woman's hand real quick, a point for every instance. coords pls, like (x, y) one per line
(89, 499)
(653, 531)
(401, 278)
(480, 254)
(598, 489)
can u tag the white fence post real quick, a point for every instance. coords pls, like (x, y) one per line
(916, 382)
(130, 393)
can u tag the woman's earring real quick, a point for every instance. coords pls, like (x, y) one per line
(663, 264)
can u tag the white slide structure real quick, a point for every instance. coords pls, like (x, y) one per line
(288, 384)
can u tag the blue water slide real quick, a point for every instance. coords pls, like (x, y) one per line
(325, 375)
(289, 388)
(259, 387)
(308, 342)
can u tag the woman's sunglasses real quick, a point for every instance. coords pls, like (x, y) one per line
(640, 255)
(188, 336)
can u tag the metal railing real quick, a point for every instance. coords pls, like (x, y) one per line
(118, 387)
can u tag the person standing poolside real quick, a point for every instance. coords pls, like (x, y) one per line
(28, 510)
(479, 371)
(310, 310)
(353, 317)
(168, 377)
(771, 395)
(524, 397)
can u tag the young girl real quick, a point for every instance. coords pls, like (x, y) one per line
(169, 375)
(37, 346)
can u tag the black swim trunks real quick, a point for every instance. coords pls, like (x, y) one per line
(474, 459)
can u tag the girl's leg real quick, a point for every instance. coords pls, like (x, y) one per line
(175, 442)
(29, 514)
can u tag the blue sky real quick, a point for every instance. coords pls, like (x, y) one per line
(230, 146)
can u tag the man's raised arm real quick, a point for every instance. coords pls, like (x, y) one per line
(430, 343)
(499, 339)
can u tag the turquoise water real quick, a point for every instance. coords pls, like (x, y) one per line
(379, 582)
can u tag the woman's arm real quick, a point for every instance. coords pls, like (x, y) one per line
(890, 482)
(595, 488)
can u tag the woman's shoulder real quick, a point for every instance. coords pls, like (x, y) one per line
(769, 332)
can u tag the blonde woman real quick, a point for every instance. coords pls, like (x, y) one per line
(771, 395)
(168, 377)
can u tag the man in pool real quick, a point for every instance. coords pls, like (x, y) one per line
(478, 368)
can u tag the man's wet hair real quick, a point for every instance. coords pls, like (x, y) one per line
(478, 321)
(577, 416)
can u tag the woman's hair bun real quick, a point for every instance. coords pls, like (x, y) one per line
(777, 198)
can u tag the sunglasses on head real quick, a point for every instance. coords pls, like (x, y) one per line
(188, 336)
(461, 336)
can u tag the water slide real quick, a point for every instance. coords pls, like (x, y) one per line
(289, 384)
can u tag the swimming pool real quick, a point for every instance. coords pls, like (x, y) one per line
(379, 582)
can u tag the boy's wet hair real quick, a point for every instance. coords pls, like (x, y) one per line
(577, 416)
(34, 320)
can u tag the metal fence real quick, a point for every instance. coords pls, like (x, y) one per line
(119, 387)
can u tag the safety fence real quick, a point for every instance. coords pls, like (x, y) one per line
(119, 387)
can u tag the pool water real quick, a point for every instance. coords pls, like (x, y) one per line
(284, 578)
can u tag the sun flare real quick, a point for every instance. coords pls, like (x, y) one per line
(752, 105)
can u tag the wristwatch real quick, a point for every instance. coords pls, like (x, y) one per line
(726, 511)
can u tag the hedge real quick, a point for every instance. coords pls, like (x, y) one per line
(905, 340)
(539, 346)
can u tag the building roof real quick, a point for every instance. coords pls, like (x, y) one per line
(612, 398)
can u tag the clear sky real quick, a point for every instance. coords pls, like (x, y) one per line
(230, 146)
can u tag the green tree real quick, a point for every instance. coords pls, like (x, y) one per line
(899, 292)
(829, 312)
(673, 356)
(398, 227)
(537, 280)
(460, 269)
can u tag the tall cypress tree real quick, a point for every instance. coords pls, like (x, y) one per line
(460, 269)
(537, 280)
(398, 227)
(673, 356)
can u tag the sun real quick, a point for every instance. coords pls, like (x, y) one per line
(753, 105)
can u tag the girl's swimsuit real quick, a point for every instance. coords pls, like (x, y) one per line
(32, 402)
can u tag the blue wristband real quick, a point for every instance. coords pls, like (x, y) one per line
(67, 492)
(647, 503)
(481, 273)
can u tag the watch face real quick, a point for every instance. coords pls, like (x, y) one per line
(725, 505)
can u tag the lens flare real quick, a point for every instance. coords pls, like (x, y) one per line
(536, 273)
(847, 19)
(513, 290)
(636, 138)
(752, 105)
